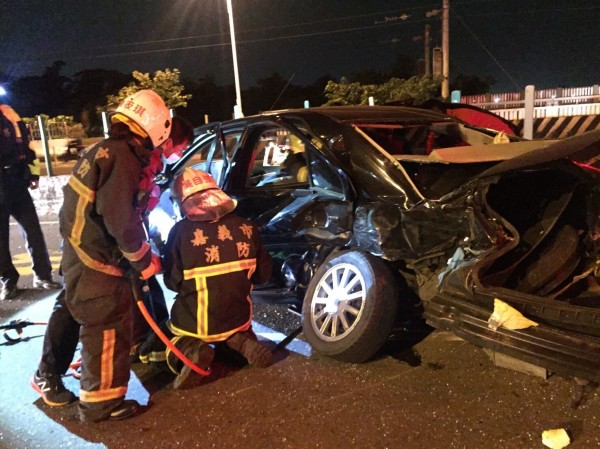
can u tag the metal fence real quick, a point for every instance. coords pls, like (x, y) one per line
(557, 102)
(53, 129)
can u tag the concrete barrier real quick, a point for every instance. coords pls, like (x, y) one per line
(48, 197)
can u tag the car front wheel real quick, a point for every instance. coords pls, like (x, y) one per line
(350, 307)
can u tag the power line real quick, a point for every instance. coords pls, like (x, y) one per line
(320, 33)
(532, 11)
(554, 8)
(250, 41)
(275, 27)
(487, 51)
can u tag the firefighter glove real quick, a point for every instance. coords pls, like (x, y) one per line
(153, 268)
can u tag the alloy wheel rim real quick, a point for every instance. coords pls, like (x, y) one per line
(338, 302)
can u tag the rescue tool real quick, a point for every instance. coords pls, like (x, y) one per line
(17, 325)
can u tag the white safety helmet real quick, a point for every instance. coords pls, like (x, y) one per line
(148, 110)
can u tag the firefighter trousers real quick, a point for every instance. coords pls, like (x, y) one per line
(101, 304)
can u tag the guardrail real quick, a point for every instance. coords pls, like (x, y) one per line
(531, 104)
(557, 96)
(552, 110)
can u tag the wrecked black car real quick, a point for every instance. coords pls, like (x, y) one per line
(375, 214)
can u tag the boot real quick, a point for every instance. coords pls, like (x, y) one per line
(256, 354)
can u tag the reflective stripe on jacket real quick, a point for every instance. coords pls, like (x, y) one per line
(212, 266)
(15, 155)
(99, 216)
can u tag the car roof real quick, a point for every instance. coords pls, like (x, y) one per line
(352, 113)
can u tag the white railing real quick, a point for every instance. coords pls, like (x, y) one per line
(550, 111)
(558, 102)
(54, 130)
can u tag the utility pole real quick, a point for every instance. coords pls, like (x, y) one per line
(427, 50)
(445, 50)
(426, 38)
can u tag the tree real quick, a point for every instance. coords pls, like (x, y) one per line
(164, 83)
(403, 67)
(266, 94)
(87, 90)
(345, 92)
(46, 94)
(208, 99)
(417, 88)
(369, 76)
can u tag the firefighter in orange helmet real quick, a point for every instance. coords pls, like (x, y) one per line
(104, 239)
(213, 258)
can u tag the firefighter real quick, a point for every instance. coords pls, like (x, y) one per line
(105, 239)
(62, 331)
(19, 171)
(213, 258)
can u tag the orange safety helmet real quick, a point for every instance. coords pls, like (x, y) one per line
(148, 110)
(192, 181)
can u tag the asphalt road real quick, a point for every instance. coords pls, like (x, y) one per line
(440, 392)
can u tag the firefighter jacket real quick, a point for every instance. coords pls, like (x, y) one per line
(17, 160)
(212, 266)
(99, 216)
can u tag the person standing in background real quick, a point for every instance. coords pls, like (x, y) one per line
(20, 171)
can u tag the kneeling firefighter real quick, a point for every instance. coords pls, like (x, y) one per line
(213, 258)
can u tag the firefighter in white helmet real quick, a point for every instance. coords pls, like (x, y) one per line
(104, 240)
(213, 258)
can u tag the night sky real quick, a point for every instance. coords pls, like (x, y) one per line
(547, 43)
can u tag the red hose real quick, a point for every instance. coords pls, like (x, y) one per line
(168, 342)
(137, 292)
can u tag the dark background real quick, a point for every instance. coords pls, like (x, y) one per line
(543, 42)
(63, 58)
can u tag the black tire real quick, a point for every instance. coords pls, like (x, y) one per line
(350, 330)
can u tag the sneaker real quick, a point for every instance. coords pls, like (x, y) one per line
(252, 350)
(9, 292)
(51, 389)
(46, 284)
(200, 354)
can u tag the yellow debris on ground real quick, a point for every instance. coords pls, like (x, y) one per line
(508, 317)
(555, 438)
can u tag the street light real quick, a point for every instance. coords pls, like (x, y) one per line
(237, 111)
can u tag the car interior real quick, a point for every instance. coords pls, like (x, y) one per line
(278, 158)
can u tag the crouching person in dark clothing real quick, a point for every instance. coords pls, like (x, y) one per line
(213, 258)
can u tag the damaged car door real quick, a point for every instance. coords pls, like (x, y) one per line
(296, 198)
